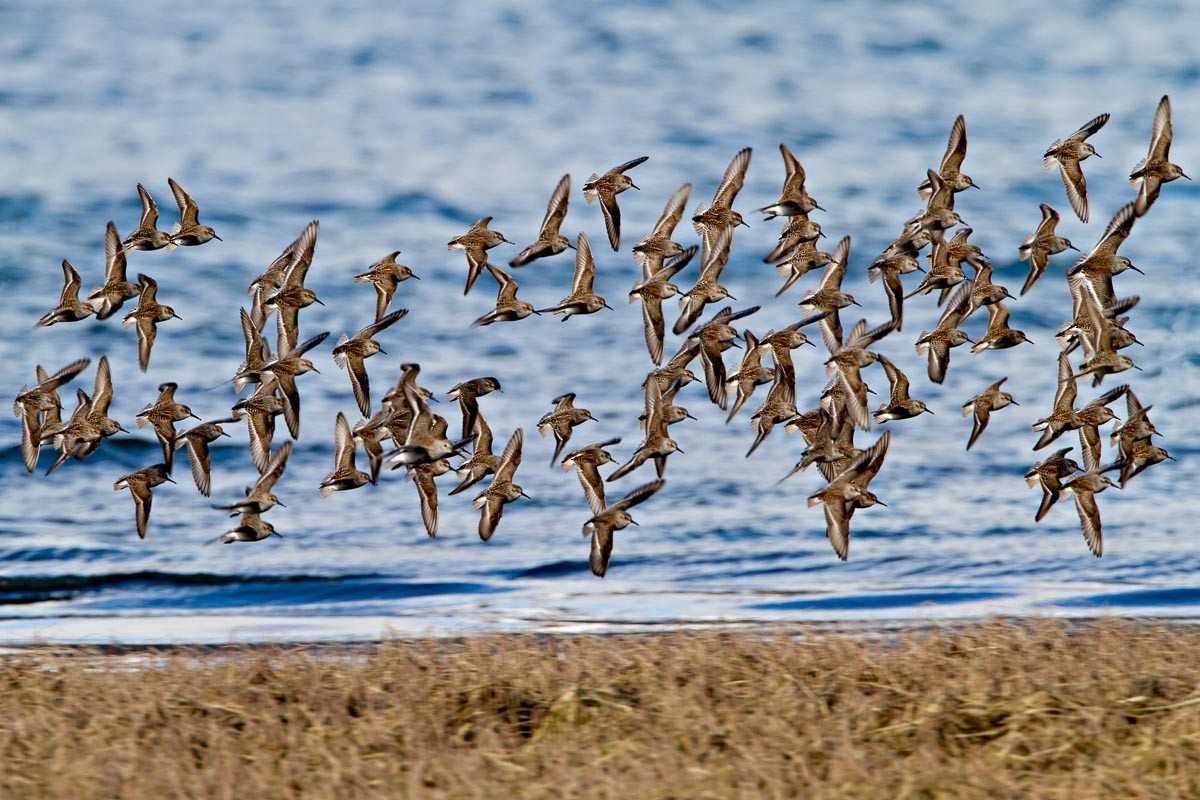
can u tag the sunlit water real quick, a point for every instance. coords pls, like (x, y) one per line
(397, 128)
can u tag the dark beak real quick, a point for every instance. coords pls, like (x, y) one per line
(415, 277)
(881, 503)
(385, 352)
(1097, 155)
(731, 297)
(633, 185)
(634, 522)
(281, 505)
(1073, 247)
(527, 497)
(317, 300)
(744, 223)
(170, 479)
(314, 369)
(218, 238)
(1135, 269)
(1014, 403)
(678, 450)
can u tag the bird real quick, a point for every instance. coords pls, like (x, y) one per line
(652, 290)
(284, 370)
(188, 232)
(824, 302)
(797, 233)
(1092, 416)
(950, 168)
(1102, 263)
(259, 410)
(1099, 344)
(476, 242)
(840, 498)
(69, 309)
(800, 261)
(613, 518)
(707, 290)
(1067, 155)
(508, 308)
(1149, 174)
(146, 316)
(750, 375)
(351, 351)
(250, 528)
(605, 188)
(847, 359)
(467, 394)
(1048, 474)
(423, 476)
(1040, 245)
(1084, 488)
(502, 490)
(899, 405)
(946, 335)
(140, 484)
(147, 236)
(1062, 416)
(425, 440)
(259, 499)
(482, 461)
(197, 440)
(999, 336)
(385, 274)
(109, 298)
(656, 246)
(712, 219)
(76, 433)
(658, 444)
(794, 200)
(984, 292)
(32, 403)
(715, 336)
(162, 415)
(981, 406)
(293, 295)
(587, 461)
(345, 475)
(561, 421)
(298, 253)
(549, 241)
(582, 299)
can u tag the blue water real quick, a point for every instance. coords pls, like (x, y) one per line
(397, 127)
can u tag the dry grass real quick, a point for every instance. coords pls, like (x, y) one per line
(1106, 710)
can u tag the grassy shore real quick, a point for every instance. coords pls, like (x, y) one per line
(1025, 710)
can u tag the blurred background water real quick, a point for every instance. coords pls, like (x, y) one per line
(397, 125)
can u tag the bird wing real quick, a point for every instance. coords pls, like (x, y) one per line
(189, 213)
(733, 180)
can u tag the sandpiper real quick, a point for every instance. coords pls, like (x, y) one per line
(425, 441)
(840, 498)
(139, 485)
(1099, 345)
(999, 336)
(828, 297)
(1040, 245)
(345, 475)
(1049, 474)
(146, 316)
(549, 241)
(197, 440)
(582, 299)
(162, 415)
(508, 308)
(259, 498)
(78, 432)
(147, 236)
(778, 408)
(899, 405)
(707, 289)
(937, 344)
(1092, 416)
(984, 292)
(605, 188)
(250, 528)
(561, 422)
(587, 461)
(710, 220)
(502, 490)
(750, 375)
(476, 242)
(69, 309)
(1102, 263)
(658, 444)
(982, 405)
(890, 268)
(794, 199)
(1084, 488)
(847, 359)
(653, 288)
(259, 411)
(799, 232)
(31, 404)
(1155, 169)
(284, 370)
(188, 232)
(107, 299)
(423, 476)
(482, 461)
(714, 337)
(298, 253)
(1066, 155)
(614, 518)
(950, 168)
(656, 246)
(1062, 416)
(800, 261)
(351, 351)
(385, 274)
(467, 394)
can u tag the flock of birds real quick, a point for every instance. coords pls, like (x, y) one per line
(420, 440)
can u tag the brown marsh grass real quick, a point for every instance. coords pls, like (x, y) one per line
(1005, 710)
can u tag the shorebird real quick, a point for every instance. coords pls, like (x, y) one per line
(549, 241)
(147, 236)
(944, 272)
(351, 351)
(107, 299)
(370, 434)
(890, 268)
(561, 421)
(1092, 416)
(750, 375)
(298, 253)
(984, 292)
(197, 440)
(425, 440)
(1102, 263)
(258, 354)
(711, 220)
(1084, 488)
(284, 370)
(259, 499)
(899, 405)
(250, 528)
(950, 168)
(982, 405)
(102, 395)
(476, 242)
(1040, 245)
(35, 405)
(259, 410)
(828, 297)
(714, 257)
(582, 299)
(1062, 416)
(1067, 155)
(188, 232)
(423, 476)
(69, 309)
(794, 200)
(385, 274)
(1049, 474)
(799, 232)
(939, 213)
(162, 415)
(502, 489)
(1142, 455)
(653, 288)
(778, 408)
(658, 444)
(605, 188)
(614, 518)
(1099, 344)
(946, 335)
(800, 261)
(345, 475)
(999, 336)
(467, 394)
(1156, 168)
(847, 359)
(508, 308)
(587, 461)
(78, 432)
(294, 296)
(139, 485)
(146, 316)
(482, 462)
(844, 493)
(656, 246)
(714, 337)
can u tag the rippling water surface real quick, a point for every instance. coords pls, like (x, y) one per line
(397, 127)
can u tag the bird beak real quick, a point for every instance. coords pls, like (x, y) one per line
(881, 503)
(929, 411)
(223, 433)
(1073, 247)
(314, 369)
(969, 339)
(633, 185)
(570, 246)
(1135, 366)
(1135, 269)
(194, 415)
(218, 238)
(734, 344)
(1014, 402)
(744, 223)
(856, 303)
(1097, 155)
(679, 450)
(817, 207)
(731, 297)
(170, 479)
(415, 277)
(809, 342)
(176, 316)
(527, 497)
(317, 300)
(281, 505)
(385, 352)
(1182, 174)
(634, 522)
(688, 415)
